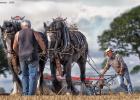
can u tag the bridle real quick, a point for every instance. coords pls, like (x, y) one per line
(56, 50)
(6, 34)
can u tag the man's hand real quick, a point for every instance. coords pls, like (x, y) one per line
(44, 53)
(121, 71)
(101, 75)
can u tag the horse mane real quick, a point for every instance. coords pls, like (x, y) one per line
(16, 25)
(70, 35)
(65, 36)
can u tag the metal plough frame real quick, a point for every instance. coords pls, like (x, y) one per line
(94, 88)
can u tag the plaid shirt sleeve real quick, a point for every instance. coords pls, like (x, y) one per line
(107, 66)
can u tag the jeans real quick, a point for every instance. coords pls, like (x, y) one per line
(29, 76)
(127, 87)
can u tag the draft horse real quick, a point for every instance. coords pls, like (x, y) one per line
(8, 30)
(65, 47)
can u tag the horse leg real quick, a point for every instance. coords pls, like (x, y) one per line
(56, 84)
(17, 71)
(82, 63)
(40, 83)
(17, 86)
(42, 62)
(70, 87)
(68, 78)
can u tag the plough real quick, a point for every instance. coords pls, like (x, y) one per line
(94, 85)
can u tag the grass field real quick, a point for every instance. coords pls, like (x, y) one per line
(63, 97)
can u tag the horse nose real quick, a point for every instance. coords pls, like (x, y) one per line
(50, 36)
(6, 31)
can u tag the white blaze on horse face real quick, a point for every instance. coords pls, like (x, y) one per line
(50, 38)
(8, 45)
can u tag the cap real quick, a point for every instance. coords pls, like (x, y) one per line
(108, 49)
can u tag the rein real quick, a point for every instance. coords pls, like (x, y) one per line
(5, 35)
(55, 50)
(9, 51)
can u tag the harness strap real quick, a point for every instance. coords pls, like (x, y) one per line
(9, 51)
(58, 66)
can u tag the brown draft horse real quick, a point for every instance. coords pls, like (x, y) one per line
(8, 30)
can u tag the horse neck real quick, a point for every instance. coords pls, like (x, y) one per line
(8, 40)
(66, 37)
(59, 40)
(9, 46)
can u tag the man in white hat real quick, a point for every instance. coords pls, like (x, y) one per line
(116, 61)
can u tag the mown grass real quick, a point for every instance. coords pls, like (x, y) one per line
(64, 97)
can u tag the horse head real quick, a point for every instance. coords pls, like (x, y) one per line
(8, 30)
(58, 23)
(58, 34)
(53, 33)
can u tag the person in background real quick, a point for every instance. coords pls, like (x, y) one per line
(116, 61)
(26, 44)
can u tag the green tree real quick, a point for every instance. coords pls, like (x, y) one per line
(135, 70)
(124, 34)
(3, 62)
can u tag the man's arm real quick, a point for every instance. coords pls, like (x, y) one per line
(15, 44)
(40, 41)
(107, 66)
(122, 65)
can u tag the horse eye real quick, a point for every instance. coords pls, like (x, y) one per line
(8, 24)
(12, 28)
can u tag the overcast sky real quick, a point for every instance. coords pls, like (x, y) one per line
(91, 16)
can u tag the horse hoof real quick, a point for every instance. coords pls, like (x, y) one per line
(19, 72)
(15, 94)
(68, 93)
(74, 91)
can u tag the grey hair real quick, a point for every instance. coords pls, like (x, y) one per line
(26, 23)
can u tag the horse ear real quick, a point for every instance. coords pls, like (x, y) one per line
(65, 19)
(53, 19)
(1, 29)
(45, 26)
(12, 18)
(22, 17)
